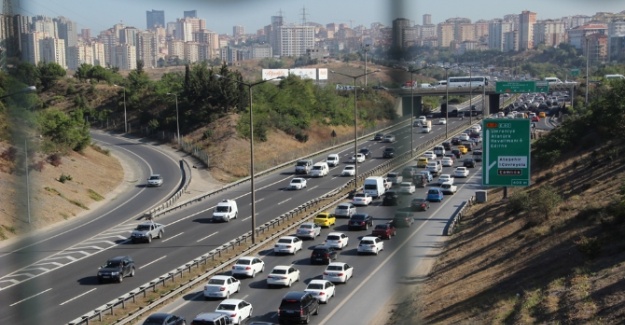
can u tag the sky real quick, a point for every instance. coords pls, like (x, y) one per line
(222, 15)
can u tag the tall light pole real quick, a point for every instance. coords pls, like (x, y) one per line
(470, 95)
(177, 119)
(412, 86)
(446, 102)
(252, 187)
(483, 99)
(355, 120)
(365, 73)
(587, 74)
(125, 116)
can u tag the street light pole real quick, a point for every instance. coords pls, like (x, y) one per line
(252, 185)
(125, 116)
(587, 74)
(355, 120)
(446, 102)
(365, 73)
(412, 86)
(177, 119)
(470, 95)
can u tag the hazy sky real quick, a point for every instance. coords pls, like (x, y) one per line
(221, 15)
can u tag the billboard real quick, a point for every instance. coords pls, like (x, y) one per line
(268, 74)
(323, 74)
(304, 73)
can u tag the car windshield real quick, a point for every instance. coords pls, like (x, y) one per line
(381, 227)
(222, 209)
(301, 163)
(227, 307)
(349, 167)
(284, 241)
(366, 242)
(279, 271)
(317, 286)
(155, 177)
(244, 262)
(333, 237)
(359, 195)
(143, 227)
(306, 226)
(113, 263)
(217, 281)
(297, 180)
(316, 167)
(341, 207)
(432, 192)
(359, 217)
(335, 268)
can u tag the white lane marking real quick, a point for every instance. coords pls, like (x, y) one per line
(285, 201)
(172, 237)
(33, 296)
(312, 188)
(246, 218)
(156, 260)
(80, 295)
(213, 234)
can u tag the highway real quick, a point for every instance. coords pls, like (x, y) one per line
(376, 278)
(63, 291)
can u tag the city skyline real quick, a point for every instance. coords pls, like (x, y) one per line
(222, 15)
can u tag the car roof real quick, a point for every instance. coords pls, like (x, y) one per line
(336, 233)
(119, 258)
(307, 223)
(295, 295)
(318, 281)
(248, 257)
(159, 316)
(368, 237)
(231, 301)
(337, 263)
(223, 277)
(209, 316)
(287, 237)
(281, 267)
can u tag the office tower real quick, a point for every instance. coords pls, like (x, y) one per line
(238, 31)
(155, 18)
(190, 14)
(427, 19)
(400, 26)
(527, 19)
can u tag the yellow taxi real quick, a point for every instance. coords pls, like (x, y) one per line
(463, 149)
(324, 219)
(542, 114)
(422, 162)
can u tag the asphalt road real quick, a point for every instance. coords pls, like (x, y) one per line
(65, 292)
(376, 278)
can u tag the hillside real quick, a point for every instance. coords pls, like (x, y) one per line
(556, 265)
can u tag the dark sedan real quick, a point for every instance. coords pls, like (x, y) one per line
(477, 155)
(389, 152)
(419, 204)
(456, 153)
(402, 220)
(323, 254)
(469, 163)
(365, 152)
(391, 198)
(360, 221)
(164, 319)
(378, 136)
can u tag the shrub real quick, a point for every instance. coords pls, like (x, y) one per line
(65, 178)
(10, 154)
(38, 166)
(55, 159)
(546, 201)
(301, 137)
(520, 202)
(100, 149)
(589, 246)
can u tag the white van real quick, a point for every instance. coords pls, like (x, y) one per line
(374, 186)
(427, 127)
(333, 160)
(553, 80)
(439, 151)
(440, 84)
(225, 210)
(320, 169)
(426, 86)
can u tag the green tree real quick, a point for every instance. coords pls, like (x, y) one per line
(63, 132)
(49, 74)
(83, 72)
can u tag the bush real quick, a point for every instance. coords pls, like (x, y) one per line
(546, 201)
(591, 247)
(55, 159)
(38, 166)
(520, 202)
(10, 154)
(65, 178)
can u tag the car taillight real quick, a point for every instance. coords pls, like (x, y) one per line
(233, 316)
(301, 311)
(248, 268)
(340, 274)
(322, 293)
(222, 288)
(325, 273)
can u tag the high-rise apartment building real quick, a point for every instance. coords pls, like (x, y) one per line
(238, 31)
(616, 40)
(445, 34)
(294, 40)
(147, 48)
(549, 32)
(497, 30)
(125, 57)
(427, 19)
(53, 50)
(190, 14)
(527, 19)
(155, 18)
(404, 33)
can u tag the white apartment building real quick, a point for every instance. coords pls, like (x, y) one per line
(53, 50)
(294, 40)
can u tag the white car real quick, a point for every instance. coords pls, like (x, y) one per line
(445, 178)
(337, 240)
(362, 199)
(287, 245)
(359, 158)
(464, 137)
(344, 210)
(370, 244)
(236, 309)
(297, 183)
(442, 121)
(349, 170)
(447, 162)
(282, 275)
(406, 188)
(429, 155)
(338, 272)
(448, 188)
(155, 180)
(308, 230)
(461, 172)
(422, 120)
(333, 160)
(221, 286)
(248, 266)
(323, 290)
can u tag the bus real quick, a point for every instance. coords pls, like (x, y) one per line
(614, 77)
(466, 81)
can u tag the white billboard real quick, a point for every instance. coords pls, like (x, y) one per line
(323, 74)
(268, 74)
(304, 73)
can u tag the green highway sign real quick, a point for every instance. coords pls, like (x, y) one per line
(574, 72)
(521, 86)
(506, 152)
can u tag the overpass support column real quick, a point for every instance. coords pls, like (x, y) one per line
(493, 104)
(407, 106)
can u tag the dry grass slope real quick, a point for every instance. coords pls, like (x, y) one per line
(506, 267)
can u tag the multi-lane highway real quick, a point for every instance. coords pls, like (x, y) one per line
(375, 279)
(54, 278)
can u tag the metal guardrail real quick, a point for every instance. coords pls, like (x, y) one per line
(186, 180)
(455, 219)
(309, 208)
